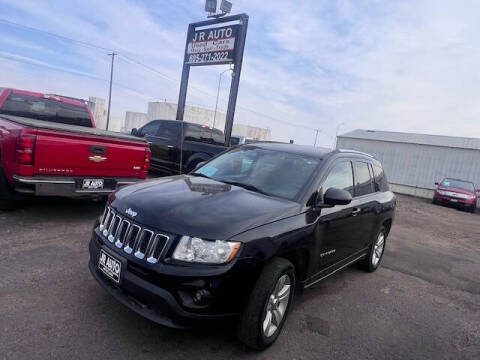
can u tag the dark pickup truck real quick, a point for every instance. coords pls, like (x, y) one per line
(200, 143)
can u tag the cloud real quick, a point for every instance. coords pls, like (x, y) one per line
(404, 66)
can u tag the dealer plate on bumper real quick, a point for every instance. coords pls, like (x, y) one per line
(92, 184)
(110, 266)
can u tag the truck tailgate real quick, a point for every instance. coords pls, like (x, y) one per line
(70, 154)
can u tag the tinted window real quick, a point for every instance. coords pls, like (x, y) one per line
(363, 182)
(218, 137)
(271, 172)
(168, 130)
(192, 132)
(150, 129)
(46, 110)
(459, 184)
(380, 179)
(340, 177)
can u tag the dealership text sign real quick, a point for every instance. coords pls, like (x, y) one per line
(211, 46)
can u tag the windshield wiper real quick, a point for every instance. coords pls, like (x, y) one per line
(245, 186)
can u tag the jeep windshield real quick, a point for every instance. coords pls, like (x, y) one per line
(274, 173)
(46, 110)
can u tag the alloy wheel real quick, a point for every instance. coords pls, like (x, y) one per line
(277, 305)
(378, 248)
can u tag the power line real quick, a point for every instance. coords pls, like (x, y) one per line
(131, 60)
(63, 37)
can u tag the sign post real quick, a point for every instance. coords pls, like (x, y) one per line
(209, 44)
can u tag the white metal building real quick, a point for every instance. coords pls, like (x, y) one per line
(414, 162)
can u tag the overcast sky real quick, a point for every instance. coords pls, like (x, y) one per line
(407, 65)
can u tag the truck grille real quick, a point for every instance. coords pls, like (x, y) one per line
(132, 238)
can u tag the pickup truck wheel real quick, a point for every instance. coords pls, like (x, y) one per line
(9, 199)
(268, 305)
(375, 255)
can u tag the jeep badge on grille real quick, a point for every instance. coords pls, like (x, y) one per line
(130, 212)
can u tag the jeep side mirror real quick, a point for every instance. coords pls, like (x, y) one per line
(436, 183)
(134, 132)
(332, 197)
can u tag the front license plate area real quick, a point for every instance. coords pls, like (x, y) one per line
(110, 266)
(92, 184)
(454, 200)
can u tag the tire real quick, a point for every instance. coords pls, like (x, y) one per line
(473, 209)
(250, 327)
(9, 199)
(371, 263)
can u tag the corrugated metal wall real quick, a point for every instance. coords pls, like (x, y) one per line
(419, 166)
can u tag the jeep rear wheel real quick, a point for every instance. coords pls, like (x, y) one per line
(375, 255)
(268, 305)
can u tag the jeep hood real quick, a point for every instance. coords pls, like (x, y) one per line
(201, 207)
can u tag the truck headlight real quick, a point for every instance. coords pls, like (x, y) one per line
(196, 250)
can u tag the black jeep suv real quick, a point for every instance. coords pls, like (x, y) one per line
(242, 232)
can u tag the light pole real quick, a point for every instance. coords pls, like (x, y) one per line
(112, 54)
(218, 94)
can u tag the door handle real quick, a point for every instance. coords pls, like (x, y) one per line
(356, 211)
(170, 146)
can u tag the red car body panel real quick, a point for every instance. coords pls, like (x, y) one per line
(456, 199)
(68, 151)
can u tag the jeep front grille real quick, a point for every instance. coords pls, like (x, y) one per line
(131, 237)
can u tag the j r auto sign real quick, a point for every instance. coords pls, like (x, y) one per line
(211, 46)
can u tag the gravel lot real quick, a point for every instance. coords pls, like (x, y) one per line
(424, 302)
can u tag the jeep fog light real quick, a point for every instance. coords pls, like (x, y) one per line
(196, 250)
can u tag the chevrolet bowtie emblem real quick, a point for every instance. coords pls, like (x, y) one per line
(97, 158)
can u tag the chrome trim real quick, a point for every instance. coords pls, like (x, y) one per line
(138, 246)
(334, 271)
(124, 233)
(119, 242)
(128, 249)
(40, 181)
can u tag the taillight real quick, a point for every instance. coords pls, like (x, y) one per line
(146, 160)
(25, 149)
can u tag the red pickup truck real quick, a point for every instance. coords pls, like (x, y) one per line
(49, 146)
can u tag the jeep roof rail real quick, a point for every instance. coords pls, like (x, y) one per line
(355, 152)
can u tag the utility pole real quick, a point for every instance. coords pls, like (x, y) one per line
(316, 136)
(112, 54)
(218, 93)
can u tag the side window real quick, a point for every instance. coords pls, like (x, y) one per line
(340, 177)
(192, 132)
(168, 130)
(150, 129)
(363, 181)
(380, 180)
(218, 137)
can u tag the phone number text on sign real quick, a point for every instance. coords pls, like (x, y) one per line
(208, 57)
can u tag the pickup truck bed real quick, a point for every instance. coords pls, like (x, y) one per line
(67, 160)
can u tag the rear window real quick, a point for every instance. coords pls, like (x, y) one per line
(46, 110)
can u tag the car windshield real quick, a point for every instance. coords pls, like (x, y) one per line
(46, 110)
(269, 172)
(458, 184)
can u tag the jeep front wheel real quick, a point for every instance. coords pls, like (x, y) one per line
(268, 305)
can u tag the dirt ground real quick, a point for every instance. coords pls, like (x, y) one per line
(423, 303)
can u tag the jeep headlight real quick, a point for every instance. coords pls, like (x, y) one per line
(196, 250)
